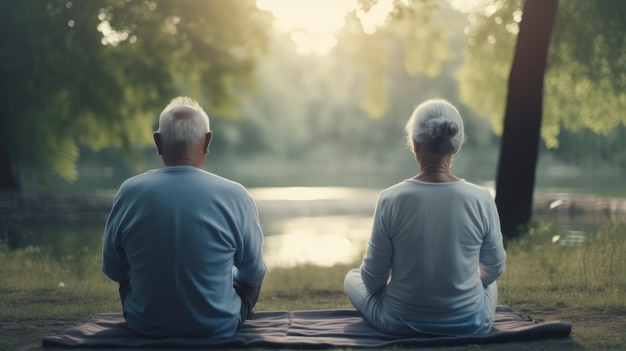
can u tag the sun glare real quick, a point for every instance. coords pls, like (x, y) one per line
(312, 24)
(376, 16)
(469, 6)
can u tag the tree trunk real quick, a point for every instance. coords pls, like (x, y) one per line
(519, 146)
(8, 180)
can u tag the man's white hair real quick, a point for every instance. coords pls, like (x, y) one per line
(183, 123)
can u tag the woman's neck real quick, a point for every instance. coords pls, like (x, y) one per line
(435, 174)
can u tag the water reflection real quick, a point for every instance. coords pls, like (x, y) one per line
(322, 240)
(321, 226)
(309, 193)
(302, 225)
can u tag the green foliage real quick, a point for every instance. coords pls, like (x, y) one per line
(586, 85)
(585, 148)
(96, 73)
(489, 54)
(585, 81)
(307, 125)
(418, 27)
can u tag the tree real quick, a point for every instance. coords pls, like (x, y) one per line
(583, 86)
(96, 73)
(585, 81)
(519, 146)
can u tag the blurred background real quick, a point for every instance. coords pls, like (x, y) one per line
(307, 101)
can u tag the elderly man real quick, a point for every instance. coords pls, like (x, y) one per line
(185, 245)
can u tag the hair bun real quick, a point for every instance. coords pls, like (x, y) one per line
(437, 125)
(441, 128)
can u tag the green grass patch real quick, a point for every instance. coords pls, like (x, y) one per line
(304, 288)
(541, 271)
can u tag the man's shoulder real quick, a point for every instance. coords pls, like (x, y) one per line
(195, 177)
(223, 181)
(217, 184)
(137, 179)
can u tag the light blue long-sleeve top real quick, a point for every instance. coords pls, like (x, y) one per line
(433, 249)
(181, 234)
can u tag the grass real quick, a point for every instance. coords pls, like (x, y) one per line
(543, 272)
(584, 285)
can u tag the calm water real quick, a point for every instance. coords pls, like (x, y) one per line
(302, 225)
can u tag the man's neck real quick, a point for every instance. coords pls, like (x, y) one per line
(181, 161)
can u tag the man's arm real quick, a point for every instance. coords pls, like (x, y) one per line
(124, 289)
(250, 267)
(114, 263)
(249, 294)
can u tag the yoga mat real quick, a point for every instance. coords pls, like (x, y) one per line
(303, 329)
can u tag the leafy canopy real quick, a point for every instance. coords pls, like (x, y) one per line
(97, 72)
(416, 27)
(585, 84)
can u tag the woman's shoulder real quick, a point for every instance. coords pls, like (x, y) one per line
(412, 186)
(478, 189)
(398, 188)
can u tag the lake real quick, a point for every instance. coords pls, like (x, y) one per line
(302, 225)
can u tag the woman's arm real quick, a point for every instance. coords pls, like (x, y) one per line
(377, 263)
(492, 255)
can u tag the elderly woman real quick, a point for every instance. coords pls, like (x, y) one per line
(436, 249)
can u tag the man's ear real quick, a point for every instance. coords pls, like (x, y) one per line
(157, 142)
(207, 142)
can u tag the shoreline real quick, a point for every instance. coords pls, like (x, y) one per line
(27, 209)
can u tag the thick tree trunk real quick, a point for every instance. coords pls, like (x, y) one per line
(8, 180)
(519, 146)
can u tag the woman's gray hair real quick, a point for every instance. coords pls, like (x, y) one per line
(436, 125)
(183, 123)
